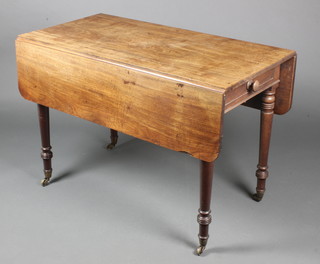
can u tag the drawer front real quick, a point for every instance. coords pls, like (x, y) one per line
(240, 94)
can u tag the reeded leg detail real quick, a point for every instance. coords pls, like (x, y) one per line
(46, 153)
(204, 216)
(114, 138)
(267, 110)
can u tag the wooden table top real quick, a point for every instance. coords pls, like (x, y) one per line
(165, 85)
(210, 61)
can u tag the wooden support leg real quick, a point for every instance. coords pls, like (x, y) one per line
(46, 153)
(267, 108)
(204, 217)
(114, 139)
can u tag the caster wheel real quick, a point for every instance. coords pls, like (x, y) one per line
(111, 146)
(45, 182)
(256, 197)
(200, 249)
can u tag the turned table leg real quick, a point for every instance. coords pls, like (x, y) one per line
(46, 153)
(114, 138)
(267, 109)
(204, 217)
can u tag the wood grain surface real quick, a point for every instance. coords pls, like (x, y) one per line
(204, 59)
(166, 85)
(175, 115)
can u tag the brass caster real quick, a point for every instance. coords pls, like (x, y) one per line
(111, 146)
(257, 197)
(45, 182)
(200, 249)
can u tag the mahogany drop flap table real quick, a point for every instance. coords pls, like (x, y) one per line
(165, 85)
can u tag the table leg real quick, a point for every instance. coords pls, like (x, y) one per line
(267, 109)
(46, 153)
(114, 138)
(204, 217)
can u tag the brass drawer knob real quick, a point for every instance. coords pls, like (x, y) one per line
(253, 86)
